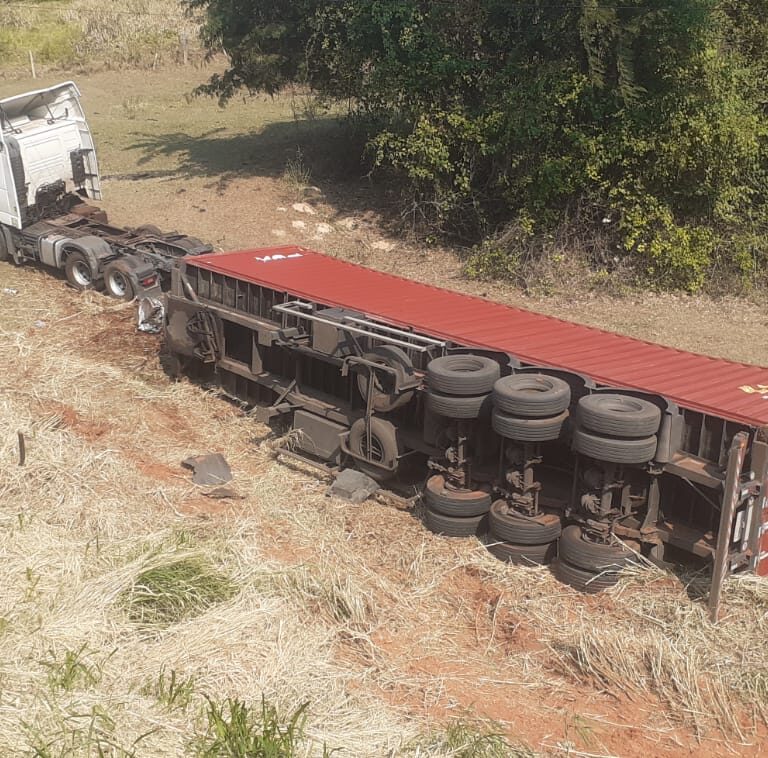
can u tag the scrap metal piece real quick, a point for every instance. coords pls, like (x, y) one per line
(353, 486)
(208, 469)
(151, 315)
(223, 493)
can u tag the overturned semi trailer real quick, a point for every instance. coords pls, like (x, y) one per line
(547, 438)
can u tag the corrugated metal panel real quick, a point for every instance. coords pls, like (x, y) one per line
(699, 382)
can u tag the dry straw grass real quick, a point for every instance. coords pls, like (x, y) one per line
(649, 640)
(100, 651)
(286, 593)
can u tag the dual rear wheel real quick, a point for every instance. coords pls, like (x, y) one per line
(589, 565)
(616, 428)
(460, 385)
(81, 276)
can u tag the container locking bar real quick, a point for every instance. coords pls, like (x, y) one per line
(363, 326)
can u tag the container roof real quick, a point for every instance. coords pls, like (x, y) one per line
(711, 385)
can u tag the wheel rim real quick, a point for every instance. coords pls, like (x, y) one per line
(118, 285)
(81, 273)
(375, 453)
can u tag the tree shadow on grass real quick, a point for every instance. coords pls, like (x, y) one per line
(329, 147)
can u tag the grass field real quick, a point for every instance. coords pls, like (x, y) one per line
(88, 35)
(140, 617)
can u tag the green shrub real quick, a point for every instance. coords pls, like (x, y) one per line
(649, 115)
(673, 256)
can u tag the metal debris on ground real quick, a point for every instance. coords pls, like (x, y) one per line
(208, 469)
(151, 315)
(10, 291)
(353, 486)
(39, 324)
(223, 493)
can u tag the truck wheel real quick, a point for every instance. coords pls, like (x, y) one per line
(521, 555)
(580, 552)
(384, 396)
(5, 253)
(117, 282)
(462, 374)
(531, 395)
(450, 406)
(614, 450)
(149, 229)
(455, 502)
(511, 526)
(384, 449)
(528, 429)
(618, 415)
(584, 581)
(456, 526)
(78, 271)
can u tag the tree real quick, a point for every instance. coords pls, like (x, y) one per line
(648, 113)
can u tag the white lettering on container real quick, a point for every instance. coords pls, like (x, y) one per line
(277, 257)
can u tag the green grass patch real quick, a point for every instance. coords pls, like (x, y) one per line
(171, 690)
(239, 730)
(48, 42)
(178, 590)
(92, 34)
(72, 670)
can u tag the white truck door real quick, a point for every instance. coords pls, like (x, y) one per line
(10, 213)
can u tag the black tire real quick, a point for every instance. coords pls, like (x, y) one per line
(584, 581)
(528, 429)
(384, 396)
(462, 374)
(5, 253)
(451, 406)
(455, 526)
(618, 415)
(614, 450)
(118, 282)
(531, 395)
(384, 443)
(510, 526)
(79, 272)
(521, 555)
(149, 229)
(577, 551)
(455, 502)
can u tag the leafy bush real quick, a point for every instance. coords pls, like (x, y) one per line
(645, 113)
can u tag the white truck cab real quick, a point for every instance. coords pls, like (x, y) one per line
(44, 141)
(49, 177)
